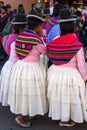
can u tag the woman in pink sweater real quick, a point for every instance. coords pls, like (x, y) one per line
(67, 76)
(27, 92)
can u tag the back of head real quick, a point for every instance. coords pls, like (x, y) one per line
(1, 4)
(8, 6)
(66, 4)
(33, 5)
(66, 21)
(4, 8)
(57, 9)
(34, 21)
(47, 5)
(19, 22)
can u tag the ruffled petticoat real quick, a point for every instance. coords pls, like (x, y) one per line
(4, 82)
(27, 89)
(66, 94)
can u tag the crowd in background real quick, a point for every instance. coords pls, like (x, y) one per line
(79, 10)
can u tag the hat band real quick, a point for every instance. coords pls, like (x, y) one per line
(19, 22)
(67, 20)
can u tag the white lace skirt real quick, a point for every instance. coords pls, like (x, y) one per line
(66, 94)
(27, 89)
(4, 82)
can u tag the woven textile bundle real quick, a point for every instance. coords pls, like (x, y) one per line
(52, 22)
(61, 50)
(25, 42)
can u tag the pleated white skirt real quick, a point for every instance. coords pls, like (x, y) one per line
(66, 94)
(27, 89)
(4, 82)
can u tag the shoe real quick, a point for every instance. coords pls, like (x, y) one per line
(70, 123)
(27, 124)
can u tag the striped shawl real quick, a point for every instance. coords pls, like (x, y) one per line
(62, 49)
(25, 43)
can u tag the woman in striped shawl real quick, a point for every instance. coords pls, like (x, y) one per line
(27, 92)
(67, 76)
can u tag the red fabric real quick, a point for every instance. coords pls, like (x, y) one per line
(62, 49)
(66, 39)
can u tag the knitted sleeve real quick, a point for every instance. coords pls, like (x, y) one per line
(82, 64)
(42, 49)
(13, 56)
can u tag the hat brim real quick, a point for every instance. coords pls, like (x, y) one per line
(46, 15)
(35, 16)
(67, 20)
(19, 22)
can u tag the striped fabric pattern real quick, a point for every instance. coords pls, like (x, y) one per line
(7, 40)
(52, 22)
(25, 42)
(63, 52)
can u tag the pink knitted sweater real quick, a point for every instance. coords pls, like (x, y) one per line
(79, 63)
(34, 54)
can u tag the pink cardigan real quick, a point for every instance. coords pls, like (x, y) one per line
(13, 57)
(34, 54)
(79, 63)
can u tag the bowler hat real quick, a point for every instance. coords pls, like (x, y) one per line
(20, 19)
(66, 15)
(35, 17)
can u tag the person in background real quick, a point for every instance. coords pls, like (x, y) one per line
(43, 58)
(54, 20)
(51, 7)
(1, 5)
(29, 75)
(3, 18)
(74, 2)
(8, 27)
(9, 11)
(53, 26)
(56, 2)
(67, 76)
(3, 21)
(15, 12)
(21, 9)
(47, 8)
(8, 42)
(33, 10)
(66, 4)
(46, 17)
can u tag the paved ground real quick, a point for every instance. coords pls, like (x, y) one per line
(7, 121)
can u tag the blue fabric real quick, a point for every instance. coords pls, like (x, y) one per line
(54, 32)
